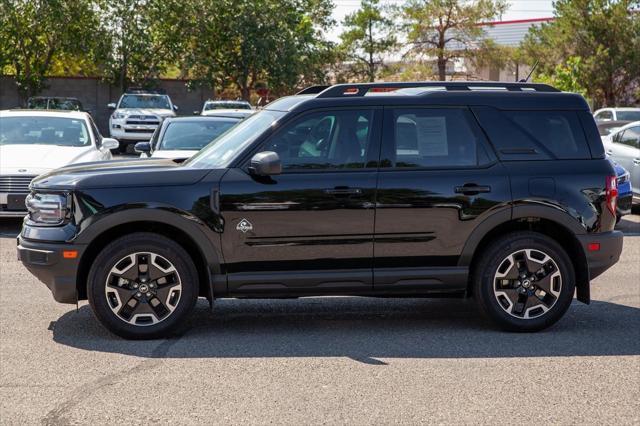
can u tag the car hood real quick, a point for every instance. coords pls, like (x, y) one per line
(37, 159)
(147, 111)
(119, 174)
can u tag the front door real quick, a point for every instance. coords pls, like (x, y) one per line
(625, 149)
(309, 229)
(438, 180)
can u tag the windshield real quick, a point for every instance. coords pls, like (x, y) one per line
(232, 143)
(628, 115)
(145, 101)
(194, 135)
(226, 105)
(43, 131)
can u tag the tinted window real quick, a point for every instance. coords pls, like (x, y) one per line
(193, 135)
(630, 137)
(558, 132)
(604, 115)
(43, 131)
(327, 140)
(628, 115)
(435, 138)
(226, 105)
(145, 101)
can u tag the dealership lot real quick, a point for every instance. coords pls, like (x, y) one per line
(322, 360)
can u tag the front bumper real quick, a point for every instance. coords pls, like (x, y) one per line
(608, 253)
(47, 263)
(128, 133)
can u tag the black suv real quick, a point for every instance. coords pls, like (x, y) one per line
(497, 191)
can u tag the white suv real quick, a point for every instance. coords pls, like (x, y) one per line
(137, 115)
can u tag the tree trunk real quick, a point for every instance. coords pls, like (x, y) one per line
(442, 67)
(372, 65)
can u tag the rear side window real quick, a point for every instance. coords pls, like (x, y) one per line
(535, 135)
(433, 138)
(630, 137)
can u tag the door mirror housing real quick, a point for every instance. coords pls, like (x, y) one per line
(112, 105)
(175, 108)
(109, 143)
(266, 163)
(141, 147)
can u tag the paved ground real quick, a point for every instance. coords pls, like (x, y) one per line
(323, 360)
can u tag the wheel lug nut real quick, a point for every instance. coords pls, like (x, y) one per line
(135, 286)
(148, 294)
(138, 294)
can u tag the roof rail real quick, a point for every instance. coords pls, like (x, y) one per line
(312, 90)
(361, 89)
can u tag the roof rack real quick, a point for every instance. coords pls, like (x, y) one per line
(313, 90)
(141, 91)
(361, 89)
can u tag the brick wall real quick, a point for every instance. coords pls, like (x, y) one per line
(95, 95)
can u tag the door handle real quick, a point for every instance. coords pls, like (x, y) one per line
(343, 191)
(472, 189)
(609, 152)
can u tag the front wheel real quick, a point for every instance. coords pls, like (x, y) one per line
(524, 281)
(142, 286)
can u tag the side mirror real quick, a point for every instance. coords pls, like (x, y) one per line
(142, 147)
(196, 112)
(175, 108)
(112, 105)
(109, 143)
(266, 163)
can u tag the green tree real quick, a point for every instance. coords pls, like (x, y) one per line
(242, 42)
(34, 34)
(447, 29)
(143, 38)
(604, 35)
(367, 37)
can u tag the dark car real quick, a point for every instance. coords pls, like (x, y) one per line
(54, 102)
(492, 190)
(182, 137)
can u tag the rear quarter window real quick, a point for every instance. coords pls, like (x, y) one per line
(535, 135)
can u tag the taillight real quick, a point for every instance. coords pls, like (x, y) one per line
(612, 194)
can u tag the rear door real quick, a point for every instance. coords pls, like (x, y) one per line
(438, 180)
(309, 229)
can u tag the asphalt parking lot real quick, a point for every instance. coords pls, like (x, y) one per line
(322, 360)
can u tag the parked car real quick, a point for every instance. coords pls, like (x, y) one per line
(182, 137)
(623, 146)
(137, 115)
(503, 195)
(225, 105)
(625, 194)
(36, 142)
(617, 114)
(607, 127)
(54, 102)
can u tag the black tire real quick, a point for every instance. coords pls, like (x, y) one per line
(485, 281)
(142, 242)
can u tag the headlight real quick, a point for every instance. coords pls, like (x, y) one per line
(48, 209)
(623, 178)
(118, 116)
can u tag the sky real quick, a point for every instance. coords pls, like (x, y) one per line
(519, 9)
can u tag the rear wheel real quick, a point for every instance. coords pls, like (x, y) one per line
(524, 281)
(142, 286)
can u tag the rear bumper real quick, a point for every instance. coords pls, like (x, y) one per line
(46, 262)
(610, 248)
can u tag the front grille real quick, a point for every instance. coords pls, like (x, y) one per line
(151, 123)
(139, 130)
(15, 184)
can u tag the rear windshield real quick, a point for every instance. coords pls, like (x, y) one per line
(535, 135)
(145, 101)
(226, 105)
(193, 135)
(43, 131)
(628, 115)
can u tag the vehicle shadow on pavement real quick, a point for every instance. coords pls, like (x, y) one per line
(365, 330)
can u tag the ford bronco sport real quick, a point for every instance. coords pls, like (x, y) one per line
(497, 191)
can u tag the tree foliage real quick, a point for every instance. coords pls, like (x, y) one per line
(368, 37)
(594, 45)
(447, 29)
(34, 34)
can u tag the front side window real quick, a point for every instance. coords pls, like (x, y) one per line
(145, 101)
(324, 140)
(604, 115)
(434, 138)
(630, 137)
(193, 135)
(629, 115)
(43, 131)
